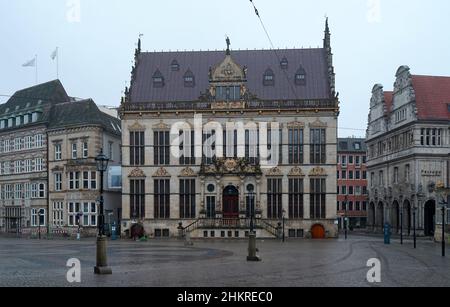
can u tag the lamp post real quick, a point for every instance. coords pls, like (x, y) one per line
(102, 263)
(41, 212)
(442, 193)
(414, 226)
(251, 199)
(346, 217)
(284, 223)
(401, 223)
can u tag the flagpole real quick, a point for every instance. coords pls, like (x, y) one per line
(57, 63)
(36, 57)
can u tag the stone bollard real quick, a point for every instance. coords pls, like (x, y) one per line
(188, 239)
(252, 248)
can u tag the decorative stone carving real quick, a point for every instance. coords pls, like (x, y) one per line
(162, 172)
(136, 127)
(223, 166)
(188, 172)
(161, 126)
(296, 172)
(318, 172)
(318, 124)
(276, 171)
(228, 105)
(296, 125)
(137, 173)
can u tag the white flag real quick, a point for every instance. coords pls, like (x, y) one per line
(31, 63)
(54, 54)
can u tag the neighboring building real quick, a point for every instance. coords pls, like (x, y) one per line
(408, 141)
(352, 182)
(77, 133)
(37, 126)
(215, 196)
(24, 119)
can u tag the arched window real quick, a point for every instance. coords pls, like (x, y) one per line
(300, 76)
(174, 66)
(269, 78)
(189, 79)
(158, 79)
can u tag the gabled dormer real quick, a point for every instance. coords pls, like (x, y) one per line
(379, 108)
(404, 99)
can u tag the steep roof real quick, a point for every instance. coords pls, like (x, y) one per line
(313, 61)
(51, 92)
(350, 145)
(432, 97)
(84, 112)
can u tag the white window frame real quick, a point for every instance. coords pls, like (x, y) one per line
(85, 150)
(58, 182)
(90, 214)
(58, 152)
(72, 213)
(74, 181)
(74, 150)
(39, 165)
(58, 214)
(28, 166)
(39, 140)
(35, 217)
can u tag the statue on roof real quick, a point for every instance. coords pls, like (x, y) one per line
(228, 45)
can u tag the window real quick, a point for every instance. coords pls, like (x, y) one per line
(38, 217)
(395, 175)
(73, 211)
(86, 180)
(344, 174)
(381, 178)
(58, 152)
(137, 199)
(350, 190)
(350, 175)
(162, 147)
(158, 79)
(174, 66)
(318, 198)
(358, 206)
(318, 147)
(86, 150)
(137, 148)
(8, 192)
(358, 160)
(187, 199)
(274, 199)
(365, 175)
(357, 146)
(74, 151)
(58, 182)
(228, 93)
(209, 147)
(296, 198)
(58, 214)
(344, 160)
(350, 159)
(344, 190)
(357, 190)
(39, 141)
(89, 214)
(431, 137)
(7, 146)
(269, 78)
(41, 190)
(39, 165)
(300, 77)
(74, 180)
(93, 179)
(357, 175)
(18, 191)
(17, 167)
(284, 64)
(338, 174)
(211, 207)
(6, 168)
(296, 146)
(407, 172)
(364, 208)
(17, 143)
(350, 206)
(162, 199)
(187, 148)
(189, 79)
(28, 142)
(372, 179)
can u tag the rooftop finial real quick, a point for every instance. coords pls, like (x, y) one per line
(228, 45)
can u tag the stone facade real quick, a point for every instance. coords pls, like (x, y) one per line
(408, 153)
(218, 197)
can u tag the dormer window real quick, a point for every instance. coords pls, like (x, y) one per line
(300, 77)
(189, 79)
(175, 66)
(284, 63)
(158, 79)
(269, 78)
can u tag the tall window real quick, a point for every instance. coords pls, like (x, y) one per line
(407, 172)
(58, 152)
(39, 141)
(89, 214)
(318, 146)
(74, 151)
(73, 210)
(89, 180)
(17, 167)
(251, 145)
(111, 151)
(162, 199)
(137, 148)
(318, 198)
(162, 147)
(274, 199)
(74, 180)
(86, 150)
(137, 199)
(39, 165)
(28, 142)
(280, 147)
(38, 217)
(296, 142)
(58, 182)
(211, 207)
(209, 147)
(296, 198)
(58, 214)
(431, 137)
(395, 174)
(187, 199)
(187, 148)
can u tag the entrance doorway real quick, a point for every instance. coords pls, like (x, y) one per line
(318, 232)
(231, 203)
(430, 218)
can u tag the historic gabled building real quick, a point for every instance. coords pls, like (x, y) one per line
(408, 141)
(77, 133)
(24, 119)
(352, 182)
(229, 167)
(48, 143)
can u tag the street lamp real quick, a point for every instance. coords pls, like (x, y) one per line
(252, 235)
(284, 223)
(41, 212)
(251, 200)
(346, 217)
(102, 263)
(414, 226)
(442, 193)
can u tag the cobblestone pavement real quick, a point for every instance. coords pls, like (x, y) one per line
(223, 264)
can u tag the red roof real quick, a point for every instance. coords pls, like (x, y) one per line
(432, 97)
(388, 97)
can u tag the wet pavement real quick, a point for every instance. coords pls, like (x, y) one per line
(300, 263)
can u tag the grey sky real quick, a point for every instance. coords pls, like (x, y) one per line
(96, 51)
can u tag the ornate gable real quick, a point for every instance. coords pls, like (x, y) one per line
(296, 172)
(318, 172)
(318, 124)
(276, 171)
(137, 173)
(161, 172)
(136, 127)
(227, 71)
(188, 172)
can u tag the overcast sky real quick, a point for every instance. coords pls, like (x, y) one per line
(370, 39)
